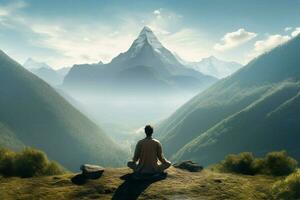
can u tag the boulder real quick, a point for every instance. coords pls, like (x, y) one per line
(189, 166)
(91, 171)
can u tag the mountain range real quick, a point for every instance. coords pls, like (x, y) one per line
(34, 114)
(45, 72)
(213, 66)
(256, 109)
(146, 66)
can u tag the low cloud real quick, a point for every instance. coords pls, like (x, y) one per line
(262, 46)
(234, 39)
(296, 32)
(269, 43)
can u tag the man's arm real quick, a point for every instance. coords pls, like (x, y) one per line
(137, 151)
(160, 155)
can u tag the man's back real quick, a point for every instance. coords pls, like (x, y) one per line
(147, 153)
(148, 150)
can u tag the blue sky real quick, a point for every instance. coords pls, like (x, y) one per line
(63, 33)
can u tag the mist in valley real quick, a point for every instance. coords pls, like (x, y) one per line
(123, 117)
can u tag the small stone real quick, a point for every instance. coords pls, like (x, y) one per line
(189, 166)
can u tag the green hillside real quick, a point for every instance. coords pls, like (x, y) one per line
(34, 114)
(242, 91)
(270, 123)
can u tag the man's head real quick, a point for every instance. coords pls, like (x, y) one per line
(148, 130)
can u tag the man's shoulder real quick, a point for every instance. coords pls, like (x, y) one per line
(152, 139)
(156, 141)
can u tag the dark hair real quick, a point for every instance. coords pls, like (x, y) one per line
(148, 130)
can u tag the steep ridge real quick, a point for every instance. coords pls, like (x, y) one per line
(268, 124)
(229, 96)
(34, 114)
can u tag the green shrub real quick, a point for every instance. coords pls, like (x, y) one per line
(289, 188)
(259, 166)
(274, 163)
(30, 162)
(7, 159)
(27, 163)
(241, 163)
(280, 164)
(53, 168)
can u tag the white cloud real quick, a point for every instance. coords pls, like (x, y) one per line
(8, 9)
(286, 29)
(295, 32)
(262, 46)
(269, 43)
(156, 12)
(78, 45)
(234, 39)
(189, 44)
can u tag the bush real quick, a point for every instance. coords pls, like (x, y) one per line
(259, 166)
(241, 163)
(27, 163)
(53, 168)
(280, 164)
(7, 159)
(289, 188)
(274, 163)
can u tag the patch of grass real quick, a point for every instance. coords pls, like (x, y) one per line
(27, 163)
(289, 188)
(179, 184)
(274, 163)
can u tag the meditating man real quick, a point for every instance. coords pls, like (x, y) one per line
(148, 152)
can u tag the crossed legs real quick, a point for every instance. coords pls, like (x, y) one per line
(161, 167)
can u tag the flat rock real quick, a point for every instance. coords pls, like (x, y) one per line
(189, 166)
(91, 171)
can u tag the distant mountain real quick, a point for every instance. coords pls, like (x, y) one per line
(34, 114)
(45, 72)
(145, 57)
(32, 64)
(256, 109)
(213, 66)
(63, 71)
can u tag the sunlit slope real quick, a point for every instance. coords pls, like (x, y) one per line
(9, 139)
(269, 124)
(230, 96)
(32, 113)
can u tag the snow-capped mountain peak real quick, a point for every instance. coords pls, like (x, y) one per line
(146, 49)
(147, 36)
